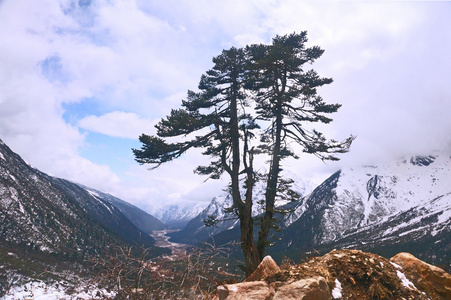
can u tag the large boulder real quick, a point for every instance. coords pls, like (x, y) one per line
(428, 278)
(254, 287)
(314, 288)
(305, 289)
(246, 290)
(266, 268)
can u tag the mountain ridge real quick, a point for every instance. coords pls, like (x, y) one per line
(141, 219)
(178, 216)
(49, 223)
(406, 203)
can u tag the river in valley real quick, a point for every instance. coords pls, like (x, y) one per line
(162, 240)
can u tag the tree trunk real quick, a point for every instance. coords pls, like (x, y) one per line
(248, 247)
(244, 208)
(271, 186)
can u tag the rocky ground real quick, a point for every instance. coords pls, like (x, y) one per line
(344, 274)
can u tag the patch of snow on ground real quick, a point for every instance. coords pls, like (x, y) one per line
(1, 156)
(336, 292)
(396, 265)
(42, 291)
(446, 214)
(45, 249)
(234, 224)
(94, 194)
(405, 282)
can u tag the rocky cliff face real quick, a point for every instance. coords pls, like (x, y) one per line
(344, 274)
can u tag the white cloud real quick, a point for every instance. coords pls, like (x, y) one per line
(31, 120)
(118, 124)
(169, 184)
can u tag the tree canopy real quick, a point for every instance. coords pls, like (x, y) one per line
(254, 101)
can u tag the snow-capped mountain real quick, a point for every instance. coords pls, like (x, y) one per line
(404, 205)
(177, 216)
(196, 231)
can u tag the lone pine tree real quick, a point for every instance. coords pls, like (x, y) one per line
(255, 100)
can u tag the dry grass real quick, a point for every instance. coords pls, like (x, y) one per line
(194, 276)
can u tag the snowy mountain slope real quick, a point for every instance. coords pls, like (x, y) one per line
(196, 231)
(54, 215)
(424, 230)
(50, 226)
(396, 203)
(37, 214)
(105, 213)
(177, 216)
(142, 220)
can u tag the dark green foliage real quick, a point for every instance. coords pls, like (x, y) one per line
(284, 91)
(211, 221)
(208, 114)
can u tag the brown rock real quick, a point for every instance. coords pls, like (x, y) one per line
(430, 279)
(315, 288)
(257, 290)
(266, 268)
(359, 275)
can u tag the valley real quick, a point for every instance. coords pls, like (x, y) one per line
(162, 240)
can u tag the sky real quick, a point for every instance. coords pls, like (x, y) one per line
(81, 80)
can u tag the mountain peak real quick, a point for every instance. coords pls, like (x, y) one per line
(422, 160)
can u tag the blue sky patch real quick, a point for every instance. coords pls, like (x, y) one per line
(74, 112)
(52, 69)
